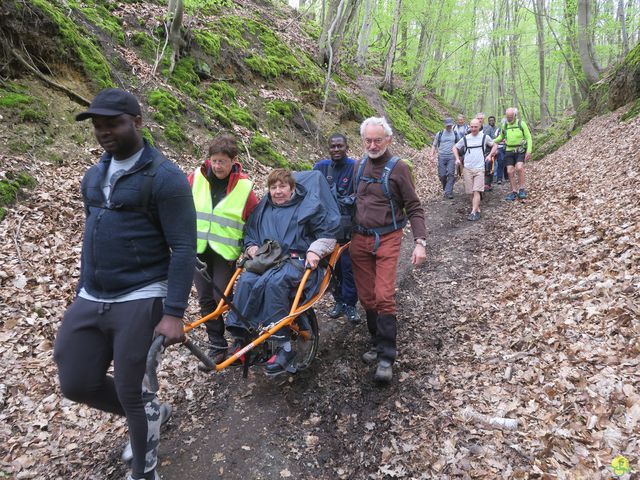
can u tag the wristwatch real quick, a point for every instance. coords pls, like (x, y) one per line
(421, 241)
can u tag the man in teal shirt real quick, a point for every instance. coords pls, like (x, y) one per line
(518, 149)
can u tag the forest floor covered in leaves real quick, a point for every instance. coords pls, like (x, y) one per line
(531, 314)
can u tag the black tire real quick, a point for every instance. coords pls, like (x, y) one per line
(306, 349)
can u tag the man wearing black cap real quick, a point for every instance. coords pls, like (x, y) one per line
(444, 142)
(136, 269)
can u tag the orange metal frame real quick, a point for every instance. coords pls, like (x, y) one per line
(295, 312)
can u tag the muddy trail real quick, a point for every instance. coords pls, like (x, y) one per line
(333, 421)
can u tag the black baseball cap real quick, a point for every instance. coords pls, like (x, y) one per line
(111, 102)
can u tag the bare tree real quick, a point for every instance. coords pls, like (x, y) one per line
(538, 7)
(587, 61)
(623, 27)
(387, 83)
(363, 36)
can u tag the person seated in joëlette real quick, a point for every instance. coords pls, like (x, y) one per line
(303, 217)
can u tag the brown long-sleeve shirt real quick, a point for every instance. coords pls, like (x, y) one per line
(372, 206)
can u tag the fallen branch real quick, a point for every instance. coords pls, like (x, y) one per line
(500, 422)
(73, 95)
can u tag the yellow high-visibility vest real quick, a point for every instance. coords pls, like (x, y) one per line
(220, 227)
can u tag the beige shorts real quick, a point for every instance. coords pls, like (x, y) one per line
(473, 180)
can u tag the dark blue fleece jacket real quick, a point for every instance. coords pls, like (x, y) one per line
(124, 249)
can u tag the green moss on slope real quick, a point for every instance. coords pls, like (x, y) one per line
(81, 42)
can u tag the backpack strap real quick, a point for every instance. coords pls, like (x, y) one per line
(439, 138)
(384, 180)
(148, 173)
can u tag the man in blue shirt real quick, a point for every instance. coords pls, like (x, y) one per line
(339, 172)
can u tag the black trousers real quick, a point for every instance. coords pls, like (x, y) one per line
(219, 272)
(93, 335)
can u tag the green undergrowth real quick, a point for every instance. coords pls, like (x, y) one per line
(184, 76)
(262, 149)
(11, 187)
(552, 138)
(278, 111)
(260, 48)
(146, 45)
(209, 42)
(98, 13)
(418, 127)
(206, 7)
(356, 106)
(633, 112)
(15, 100)
(79, 41)
(168, 112)
(221, 98)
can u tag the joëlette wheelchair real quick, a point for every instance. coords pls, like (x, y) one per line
(301, 319)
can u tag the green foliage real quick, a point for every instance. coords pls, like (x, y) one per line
(173, 132)
(206, 7)
(9, 99)
(262, 149)
(146, 44)
(34, 115)
(184, 77)
(146, 134)
(208, 41)
(11, 187)
(28, 109)
(417, 128)
(280, 109)
(231, 29)
(167, 106)
(81, 42)
(221, 97)
(633, 112)
(552, 138)
(356, 105)
(169, 113)
(97, 13)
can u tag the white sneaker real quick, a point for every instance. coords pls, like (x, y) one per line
(155, 477)
(165, 415)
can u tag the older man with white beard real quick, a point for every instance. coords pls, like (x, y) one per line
(385, 200)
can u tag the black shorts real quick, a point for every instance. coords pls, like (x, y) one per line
(513, 157)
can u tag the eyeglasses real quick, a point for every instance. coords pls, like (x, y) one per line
(374, 141)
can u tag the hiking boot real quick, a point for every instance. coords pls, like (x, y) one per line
(217, 355)
(280, 362)
(511, 197)
(522, 194)
(370, 355)
(448, 196)
(384, 372)
(472, 217)
(238, 344)
(165, 415)
(351, 313)
(338, 310)
(499, 182)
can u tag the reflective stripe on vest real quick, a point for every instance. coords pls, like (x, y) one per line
(221, 228)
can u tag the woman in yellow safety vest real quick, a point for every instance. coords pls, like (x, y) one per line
(224, 199)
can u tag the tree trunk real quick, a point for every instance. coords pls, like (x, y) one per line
(624, 36)
(348, 13)
(363, 37)
(584, 41)
(544, 108)
(557, 90)
(174, 21)
(387, 83)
